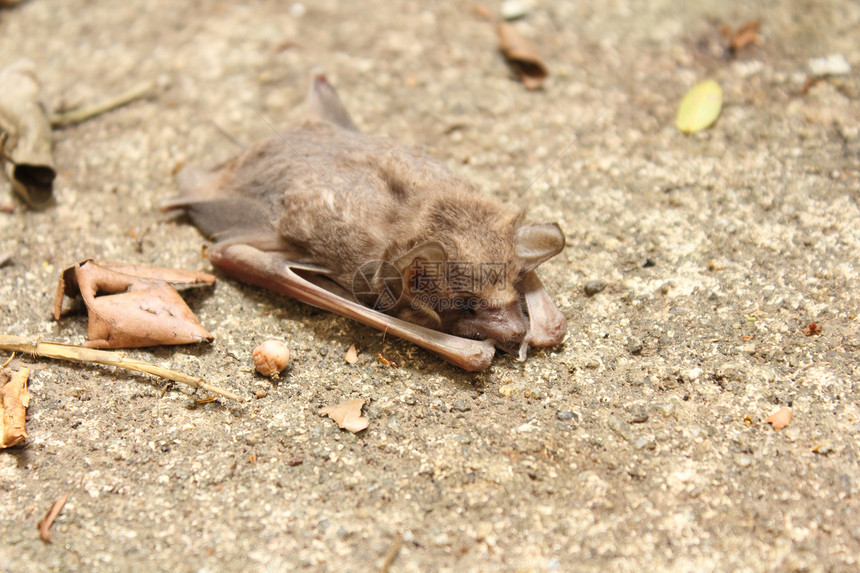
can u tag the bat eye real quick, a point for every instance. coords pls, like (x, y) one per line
(467, 304)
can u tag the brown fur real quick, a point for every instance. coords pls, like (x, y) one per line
(322, 193)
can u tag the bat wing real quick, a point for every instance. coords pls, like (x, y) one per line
(273, 271)
(263, 258)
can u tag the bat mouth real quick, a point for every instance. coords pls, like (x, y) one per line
(504, 325)
(518, 349)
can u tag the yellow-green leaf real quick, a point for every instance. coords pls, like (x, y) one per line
(700, 108)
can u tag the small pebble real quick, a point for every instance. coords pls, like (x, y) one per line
(620, 427)
(271, 357)
(634, 345)
(832, 65)
(513, 9)
(261, 394)
(565, 416)
(639, 417)
(645, 443)
(297, 10)
(594, 286)
(461, 406)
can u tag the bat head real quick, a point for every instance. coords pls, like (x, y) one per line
(467, 279)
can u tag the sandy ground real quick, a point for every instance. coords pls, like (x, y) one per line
(638, 444)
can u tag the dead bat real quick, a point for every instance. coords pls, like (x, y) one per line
(379, 232)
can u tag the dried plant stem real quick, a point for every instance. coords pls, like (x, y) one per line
(108, 358)
(48, 520)
(82, 114)
(392, 553)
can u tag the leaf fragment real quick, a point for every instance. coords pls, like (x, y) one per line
(521, 56)
(779, 419)
(14, 400)
(347, 415)
(351, 356)
(700, 107)
(131, 306)
(25, 134)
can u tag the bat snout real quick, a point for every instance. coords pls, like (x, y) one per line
(505, 324)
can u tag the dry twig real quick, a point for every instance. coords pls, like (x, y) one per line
(119, 359)
(48, 520)
(82, 114)
(392, 553)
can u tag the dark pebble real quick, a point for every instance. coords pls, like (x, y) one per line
(593, 287)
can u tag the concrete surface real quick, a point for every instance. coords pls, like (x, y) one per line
(639, 444)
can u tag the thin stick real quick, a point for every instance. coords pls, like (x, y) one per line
(48, 520)
(120, 360)
(82, 114)
(392, 553)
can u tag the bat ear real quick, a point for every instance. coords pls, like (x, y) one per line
(423, 268)
(324, 102)
(535, 244)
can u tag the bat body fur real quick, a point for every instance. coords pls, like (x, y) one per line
(335, 217)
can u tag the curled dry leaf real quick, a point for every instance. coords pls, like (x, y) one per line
(521, 56)
(25, 134)
(347, 415)
(700, 107)
(351, 356)
(130, 306)
(271, 357)
(779, 419)
(14, 400)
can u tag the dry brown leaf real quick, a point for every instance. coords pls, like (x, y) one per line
(351, 356)
(48, 520)
(779, 419)
(521, 56)
(14, 400)
(130, 306)
(347, 415)
(25, 134)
